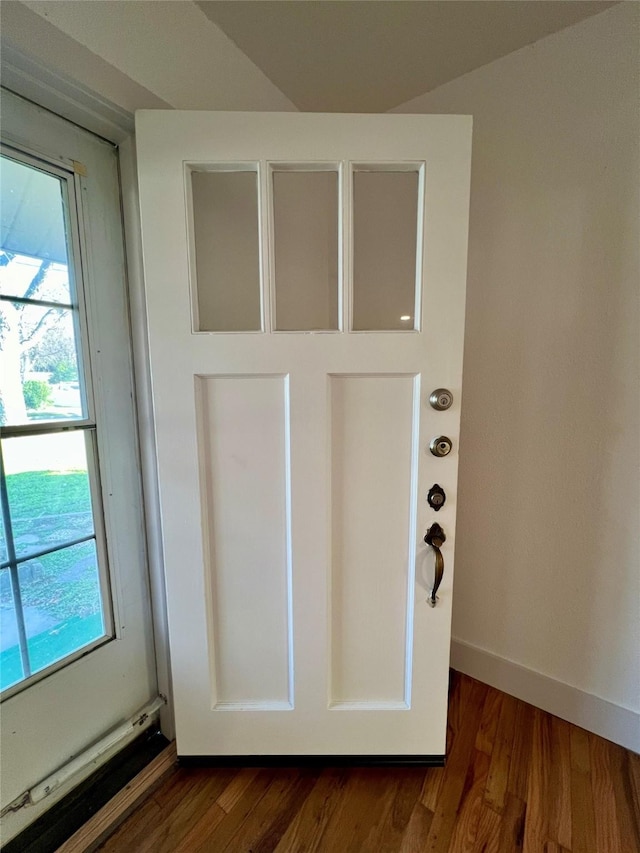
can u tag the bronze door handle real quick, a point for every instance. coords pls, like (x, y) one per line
(435, 536)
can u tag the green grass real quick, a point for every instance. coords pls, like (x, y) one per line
(61, 588)
(37, 493)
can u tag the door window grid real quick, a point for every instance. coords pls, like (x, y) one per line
(386, 298)
(71, 422)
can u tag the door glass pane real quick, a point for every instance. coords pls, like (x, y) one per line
(305, 213)
(227, 258)
(34, 260)
(48, 490)
(385, 225)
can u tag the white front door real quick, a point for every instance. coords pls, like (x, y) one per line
(305, 279)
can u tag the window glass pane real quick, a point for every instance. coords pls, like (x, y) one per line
(61, 603)
(10, 660)
(3, 543)
(40, 376)
(225, 231)
(21, 275)
(385, 214)
(32, 233)
(305, 213)
(48, 490)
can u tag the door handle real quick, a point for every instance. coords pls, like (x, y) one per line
(435, 536)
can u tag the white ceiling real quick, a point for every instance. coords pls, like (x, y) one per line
(373, 56)
(365, 56)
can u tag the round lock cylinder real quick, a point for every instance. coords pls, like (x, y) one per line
(441, 446)
(441, 399)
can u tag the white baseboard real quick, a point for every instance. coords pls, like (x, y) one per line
(613, 722)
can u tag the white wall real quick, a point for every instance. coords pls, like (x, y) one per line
(548, 563)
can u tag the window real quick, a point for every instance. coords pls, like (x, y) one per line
(55, 602)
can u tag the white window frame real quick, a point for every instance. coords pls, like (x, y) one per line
(69, 173)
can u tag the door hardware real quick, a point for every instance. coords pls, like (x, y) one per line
(441, 399)
(435, 537)
(436, 497)
(441, 446)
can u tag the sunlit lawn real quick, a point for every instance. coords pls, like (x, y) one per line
(60, 591)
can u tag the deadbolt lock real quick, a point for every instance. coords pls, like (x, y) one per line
(441, 399)
(436, 497)
(441, 446)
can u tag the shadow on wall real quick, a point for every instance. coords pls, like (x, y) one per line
(547, 550)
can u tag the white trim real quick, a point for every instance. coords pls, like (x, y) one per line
(146, 426)
(89, 759)
(55, 91)
(613, 722)
(140, 721)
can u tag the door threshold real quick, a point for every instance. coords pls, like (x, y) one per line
(94, 798)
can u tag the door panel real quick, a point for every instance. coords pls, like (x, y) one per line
(373, 442)
(293, 455)
(244, 445)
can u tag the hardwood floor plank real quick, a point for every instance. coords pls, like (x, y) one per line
(365, 800)
(560, 783)
(531, 783)
(460, 691)
(417, 831)
(236, 788)
(130, 832)
(537, 817)
(267, 823)
(580, 756)
(487, 838)
(512, 825)
(203, 827)
(627, 804)
(634, 776)
(431, 787)
(498, 777)
(184, 807)
(177, 787)
(308, 826)
(518, 781)
(462, 688)
(489, 722)
(407, 791)
(468, 817)
(607, 831)
(203, 838)
(455, 771)
(583, 830)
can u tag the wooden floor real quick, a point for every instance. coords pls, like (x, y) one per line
(516, 779)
